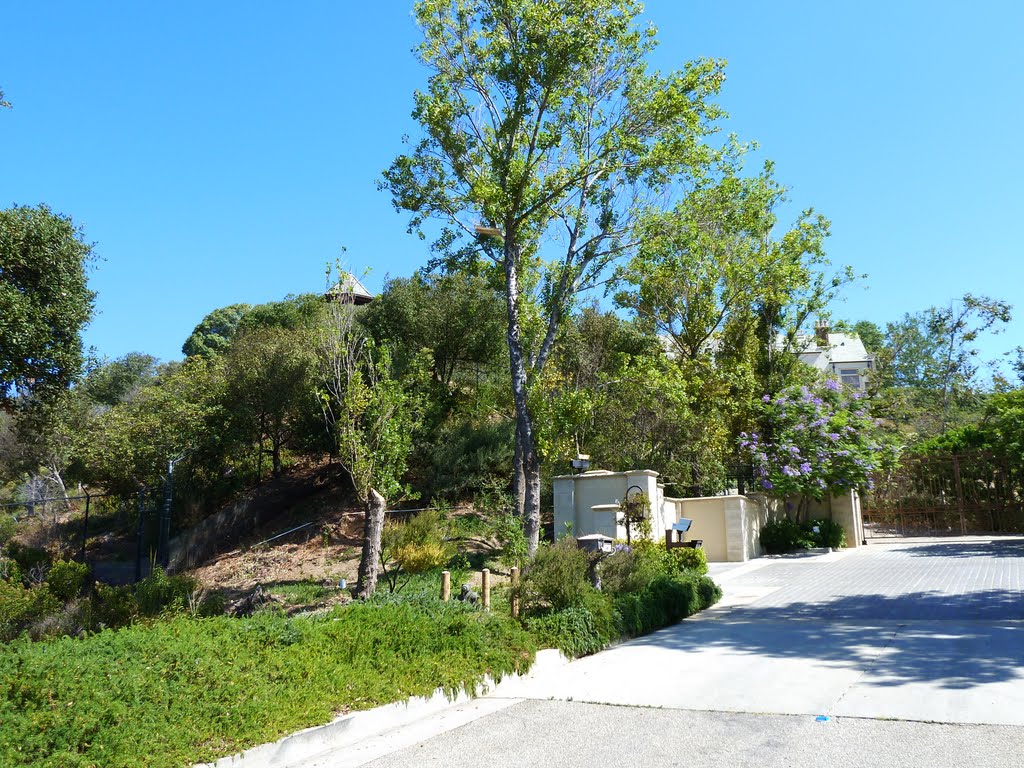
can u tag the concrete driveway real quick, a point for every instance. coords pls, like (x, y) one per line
(927, 631)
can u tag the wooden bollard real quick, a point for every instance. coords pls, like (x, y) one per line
(485, 588)
(515, 593)
(446, 585)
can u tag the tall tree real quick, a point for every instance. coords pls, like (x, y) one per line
(544, 138)
(928, 367)
(268, 379)
(45, 302)
(371, 416)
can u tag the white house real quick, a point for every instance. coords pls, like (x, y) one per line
(841, 355)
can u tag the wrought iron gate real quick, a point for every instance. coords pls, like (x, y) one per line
(950, 494)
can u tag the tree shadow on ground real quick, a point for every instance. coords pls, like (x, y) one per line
(924, 637)
(1004, 547)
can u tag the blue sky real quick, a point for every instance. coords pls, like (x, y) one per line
(225, 152)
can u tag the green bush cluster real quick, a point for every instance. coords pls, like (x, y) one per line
(785, 535)
(183, 690)
(643, 587)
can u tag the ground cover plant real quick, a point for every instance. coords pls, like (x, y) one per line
(181, 690)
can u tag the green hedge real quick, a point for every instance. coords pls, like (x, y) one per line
(183, 690)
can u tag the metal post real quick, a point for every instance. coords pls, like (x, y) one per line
(140, 550)
(163, 542)
(959, 494)
(85, 525)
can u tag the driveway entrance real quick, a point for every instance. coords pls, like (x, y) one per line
(805, 661)
(926, 630)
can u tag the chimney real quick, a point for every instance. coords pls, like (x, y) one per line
(821, 333)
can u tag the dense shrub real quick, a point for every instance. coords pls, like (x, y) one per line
(664, 601)
(785, 535)
(21, 607)
(32, 562)
(113, 607)
(576, 630)
(556, 579)
(66, 579)
(829, 533)
(159, 592)
(8, 526)
(688, 559)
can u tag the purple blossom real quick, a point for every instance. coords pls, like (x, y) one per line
(833, 436)
(834, 385)
(793, 449)
(805, 467)
(766, 399)
(767, 485)
(788, 471)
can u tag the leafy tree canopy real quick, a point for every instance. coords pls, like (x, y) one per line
(45, 302)
(214, 333)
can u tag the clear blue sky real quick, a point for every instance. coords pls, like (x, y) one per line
(225, 152)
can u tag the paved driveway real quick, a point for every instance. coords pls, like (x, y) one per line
(930, 631)
(924, 631)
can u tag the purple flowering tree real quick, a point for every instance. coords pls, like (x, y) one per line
(815, 442)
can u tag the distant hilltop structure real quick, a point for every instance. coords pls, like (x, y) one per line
(348, 290)
(840, 354)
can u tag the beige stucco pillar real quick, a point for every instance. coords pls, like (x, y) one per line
(846, 511)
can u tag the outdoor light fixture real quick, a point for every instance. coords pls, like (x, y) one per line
(582, 462)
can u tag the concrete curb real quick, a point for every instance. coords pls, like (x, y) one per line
(357, 726)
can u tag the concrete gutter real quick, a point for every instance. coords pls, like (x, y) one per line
(346, 730)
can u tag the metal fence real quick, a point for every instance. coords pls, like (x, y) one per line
(946, 494)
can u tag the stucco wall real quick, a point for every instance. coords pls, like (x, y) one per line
(576, 497)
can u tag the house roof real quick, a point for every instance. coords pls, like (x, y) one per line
(841, 348)
(348, 285)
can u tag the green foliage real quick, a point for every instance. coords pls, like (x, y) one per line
(180, 414)
(784, 535)
(182, 691)
(414, 546)
(67, 579)
(688, 559)
(467, 458)
(829, 533)
(160, 592)
(458, 317)
(32, 561)
(300, 592)
(508, 529)
(118, 380)
(45, 302)
(370, 413)
(8, 527)
(556, 578)
(22, 606)
(664, 601)
(214, 333)
(575, 630)
(113, 607)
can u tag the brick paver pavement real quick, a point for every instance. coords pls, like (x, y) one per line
(969, 579)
